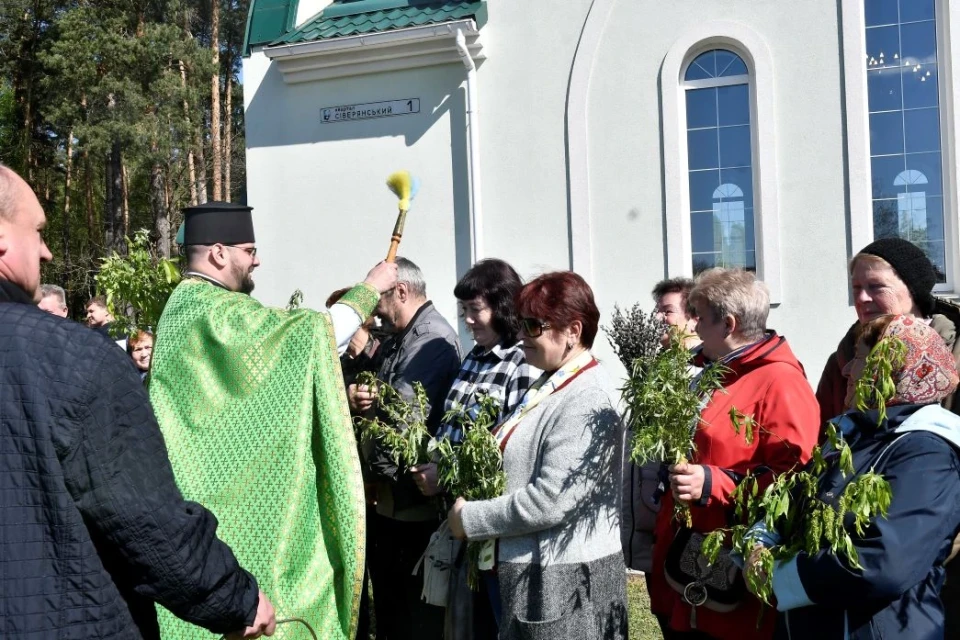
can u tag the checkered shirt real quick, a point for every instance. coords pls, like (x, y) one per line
(502, 372)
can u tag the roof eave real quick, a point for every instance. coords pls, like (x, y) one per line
(406, 48)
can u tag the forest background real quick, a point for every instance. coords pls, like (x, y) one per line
(119, 113)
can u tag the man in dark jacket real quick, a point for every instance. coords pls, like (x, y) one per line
(94, 529)
(423, 348)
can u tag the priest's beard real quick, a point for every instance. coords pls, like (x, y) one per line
(244, 280)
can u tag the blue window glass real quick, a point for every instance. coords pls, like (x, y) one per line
(716, 64)
(733, 104)
(702, 149)
(884, 170)
(915, 10)
(701, 108)
(702, 186)
(905, 134)
(883, 90)
(720, 161)
(880, 12)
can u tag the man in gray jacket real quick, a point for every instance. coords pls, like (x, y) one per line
(423, 348)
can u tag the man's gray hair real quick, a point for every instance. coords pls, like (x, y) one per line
(737, 293)
(47, 290)
(410, 273)
(6, 192)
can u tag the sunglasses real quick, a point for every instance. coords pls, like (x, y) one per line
(533, 328)
(250, 250)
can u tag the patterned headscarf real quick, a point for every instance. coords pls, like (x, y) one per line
(929, 372)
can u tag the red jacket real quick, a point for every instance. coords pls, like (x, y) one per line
(832, 388)
(766, 381)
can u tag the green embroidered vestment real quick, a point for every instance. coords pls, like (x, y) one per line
(252, 406)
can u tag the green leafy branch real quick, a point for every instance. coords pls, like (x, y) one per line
(137, 285)
(402, 432)
(791, 507)
(875, 386)
(663, 406)
(473, 468)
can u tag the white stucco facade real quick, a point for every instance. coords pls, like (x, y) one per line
(582, 156)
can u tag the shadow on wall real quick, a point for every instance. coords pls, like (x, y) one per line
(289, 114)
(281, 115)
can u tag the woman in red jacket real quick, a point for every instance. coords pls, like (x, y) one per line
(765, 381)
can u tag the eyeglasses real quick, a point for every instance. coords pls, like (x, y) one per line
(252, 251)
(532, 327)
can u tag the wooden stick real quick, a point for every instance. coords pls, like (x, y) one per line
(397, 235)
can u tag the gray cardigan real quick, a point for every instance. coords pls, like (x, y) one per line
(560, 515)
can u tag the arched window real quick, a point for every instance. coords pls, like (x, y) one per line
(904, 98)
(720, 153)
(720, 161)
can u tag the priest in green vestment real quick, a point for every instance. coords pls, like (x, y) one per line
(252, 406)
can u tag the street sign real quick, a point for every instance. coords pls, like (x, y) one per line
(350, 112)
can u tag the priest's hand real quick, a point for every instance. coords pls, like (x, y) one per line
(686, 481)
(425, 477)
(361, 397)
(263, 625)
(455, 522)
(383, 277)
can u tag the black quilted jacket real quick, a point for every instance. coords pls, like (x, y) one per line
(92, 527)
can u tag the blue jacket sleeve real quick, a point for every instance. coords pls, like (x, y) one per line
(898, 551)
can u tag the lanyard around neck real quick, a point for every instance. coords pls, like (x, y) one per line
(544, 387)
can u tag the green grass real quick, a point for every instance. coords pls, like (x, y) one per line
(643, 626)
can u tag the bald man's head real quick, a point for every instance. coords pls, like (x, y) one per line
(8, 184)
(22, 249)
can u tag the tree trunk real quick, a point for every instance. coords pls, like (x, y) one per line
(88, 191)
(113, 209)
(216, 150)
(27, 97)
(161, 216)
(202, 163)
(228, 139)
(125, 184)
(66, 200)
(191, 168)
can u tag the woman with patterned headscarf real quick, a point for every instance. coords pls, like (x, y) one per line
(896, 594)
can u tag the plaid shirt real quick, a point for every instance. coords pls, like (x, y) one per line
(502, 372)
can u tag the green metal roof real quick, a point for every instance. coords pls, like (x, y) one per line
(267, 21)
(356, 17)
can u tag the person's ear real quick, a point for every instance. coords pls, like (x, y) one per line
(574, 331)
(217, 255)
(4, 238)
(401, 291)
(730, 322)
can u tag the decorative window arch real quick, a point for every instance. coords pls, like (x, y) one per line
(721, 207)
(900, 89)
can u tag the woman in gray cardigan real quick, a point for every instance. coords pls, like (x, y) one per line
(558, 528)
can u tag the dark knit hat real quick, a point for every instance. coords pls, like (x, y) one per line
(218, 222)
(912, 266)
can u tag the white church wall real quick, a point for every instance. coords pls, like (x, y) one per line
(323, 215)
(626, 174)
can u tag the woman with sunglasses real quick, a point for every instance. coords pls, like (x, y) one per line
(495, 367)
(559, 560)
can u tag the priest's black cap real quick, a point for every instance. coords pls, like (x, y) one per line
(214, 222)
